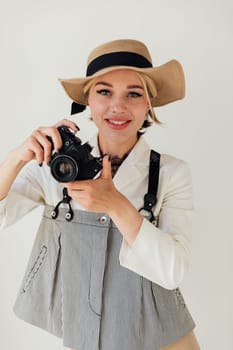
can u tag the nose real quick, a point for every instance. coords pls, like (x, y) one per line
(118, 105)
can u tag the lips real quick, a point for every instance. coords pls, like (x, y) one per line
(117, 123)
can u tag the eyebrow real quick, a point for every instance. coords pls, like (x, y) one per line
(128, 87)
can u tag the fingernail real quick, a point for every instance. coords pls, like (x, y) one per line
(77, 126)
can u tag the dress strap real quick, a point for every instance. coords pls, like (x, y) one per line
(66, 200)
(150, 198)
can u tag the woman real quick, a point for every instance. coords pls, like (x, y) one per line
(107, 277)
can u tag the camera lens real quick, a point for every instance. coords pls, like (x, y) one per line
(64, 168)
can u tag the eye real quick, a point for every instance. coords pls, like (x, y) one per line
(134, 94)
(103, 92)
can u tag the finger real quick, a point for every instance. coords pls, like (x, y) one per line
(106, 171)
(69, 123)
(81, 185)
(77, 194)
(54, 134)
(35, 148)
(44, 143)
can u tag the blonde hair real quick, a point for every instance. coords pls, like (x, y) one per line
(151, 92)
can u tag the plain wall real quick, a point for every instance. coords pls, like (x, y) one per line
(41, 41)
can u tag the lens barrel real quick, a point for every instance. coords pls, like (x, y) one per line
(64, 168)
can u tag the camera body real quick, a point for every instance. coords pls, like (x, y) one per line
(73, 161)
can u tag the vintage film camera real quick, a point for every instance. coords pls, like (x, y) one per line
(73, 161)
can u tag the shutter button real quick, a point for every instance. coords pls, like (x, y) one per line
(102, 219)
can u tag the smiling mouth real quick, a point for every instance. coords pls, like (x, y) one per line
(118, 122)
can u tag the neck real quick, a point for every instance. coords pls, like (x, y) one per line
(116, 149)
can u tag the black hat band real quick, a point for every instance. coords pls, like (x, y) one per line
(117, 59)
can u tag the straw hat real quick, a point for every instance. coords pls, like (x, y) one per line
(168, 78)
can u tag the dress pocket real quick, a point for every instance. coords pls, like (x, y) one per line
(36, 266)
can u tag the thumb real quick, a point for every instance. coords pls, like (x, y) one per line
(106, 171)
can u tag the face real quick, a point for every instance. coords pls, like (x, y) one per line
(119, 105)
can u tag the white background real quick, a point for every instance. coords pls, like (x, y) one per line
(41, 41)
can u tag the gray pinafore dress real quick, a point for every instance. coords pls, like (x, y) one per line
(76, 289)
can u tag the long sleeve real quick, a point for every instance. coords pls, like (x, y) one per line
(33, 186)
(162, 254)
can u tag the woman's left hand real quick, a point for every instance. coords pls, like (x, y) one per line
(97, 195)
(100, 195)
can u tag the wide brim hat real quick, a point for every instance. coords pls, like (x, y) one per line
(168, 79)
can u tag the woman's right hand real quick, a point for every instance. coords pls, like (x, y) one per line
(37, 146)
